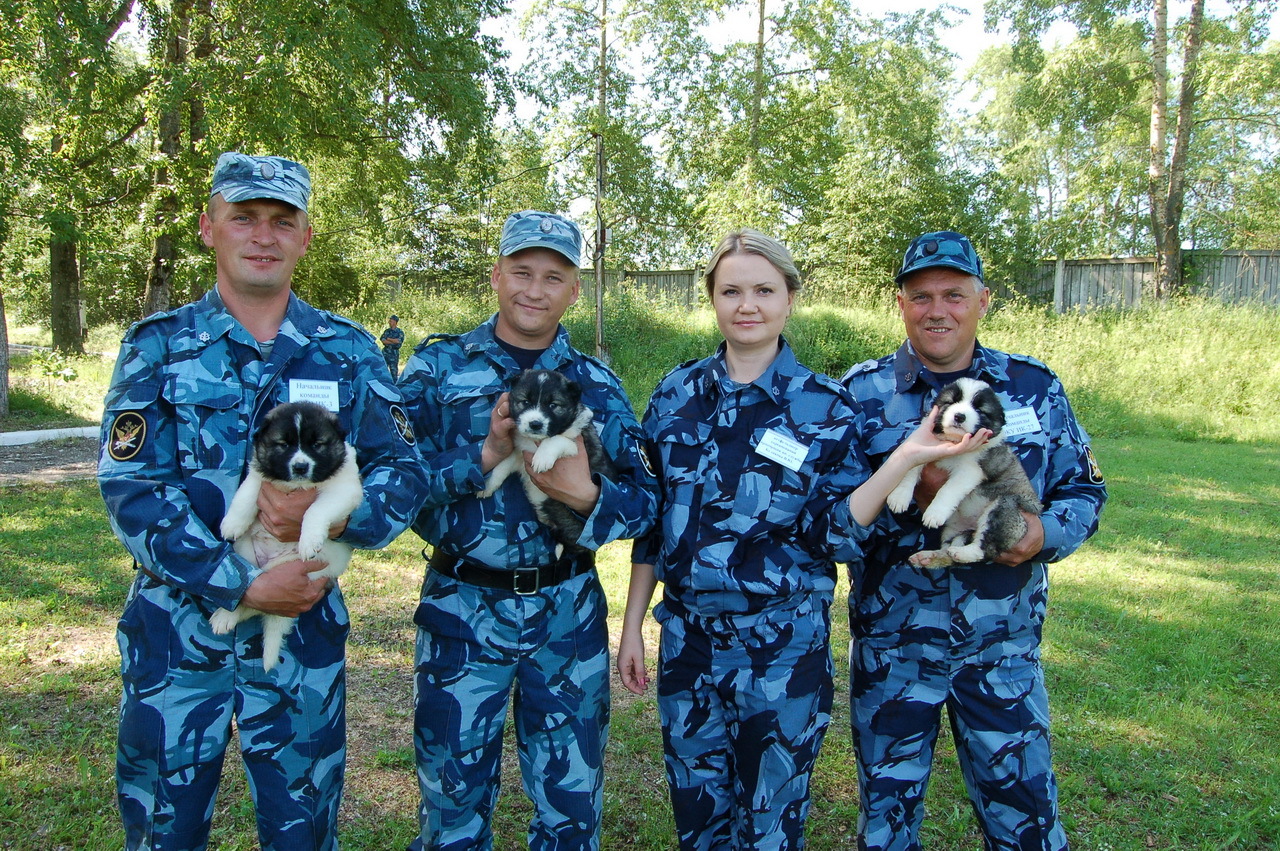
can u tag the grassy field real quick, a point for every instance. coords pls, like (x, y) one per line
(1160, 646)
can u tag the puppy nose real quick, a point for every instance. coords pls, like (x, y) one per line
(959, 417)
(299, 468)
(536, 425)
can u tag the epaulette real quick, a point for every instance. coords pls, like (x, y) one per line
(1029, 360)
(339, 319)
(861, 368)
(434, 338)
(148, 320)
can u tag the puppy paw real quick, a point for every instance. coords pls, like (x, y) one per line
(233, 527)
(930, 558)
(935, 515)
(223, 621)
(898, 502)
(967, 554)
(309, 546)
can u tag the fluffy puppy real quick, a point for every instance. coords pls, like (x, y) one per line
(980, 506)
(549, 415)
(298, 445)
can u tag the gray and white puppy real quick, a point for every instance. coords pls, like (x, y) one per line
(980, 506)
(549, 414)
(298, 445)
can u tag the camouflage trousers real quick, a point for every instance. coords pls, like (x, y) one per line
(999, 713)
(182, 685)
(546, 652)
(744, 709)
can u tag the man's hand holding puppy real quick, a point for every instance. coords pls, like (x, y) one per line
(281, 512)
(569, 479)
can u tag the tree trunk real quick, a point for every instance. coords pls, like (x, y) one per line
(757, 94)
(164, 256)
(1166, 186)
(4, 360)
(198, 127)
(64, 286)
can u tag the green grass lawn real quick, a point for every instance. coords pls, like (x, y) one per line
(1161, 651)
(1160, 648)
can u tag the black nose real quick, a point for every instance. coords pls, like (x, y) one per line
(300, 468)
(958, 417)
(535, 426)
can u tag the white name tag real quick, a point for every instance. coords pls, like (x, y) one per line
(323, 393)
(1020, 421)
(778, 447)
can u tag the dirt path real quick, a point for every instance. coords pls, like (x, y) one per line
(48, 461)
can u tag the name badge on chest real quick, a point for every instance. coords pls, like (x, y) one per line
(323, 393)
(1020, 421)
(776, 446)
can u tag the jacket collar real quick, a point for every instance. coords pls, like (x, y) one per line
(907, 368)
(775, 381)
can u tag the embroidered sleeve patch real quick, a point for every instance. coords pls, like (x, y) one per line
(1095, 472)
(128, 434)
(403, 427)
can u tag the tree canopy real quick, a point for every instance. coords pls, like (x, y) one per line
(1153, 127)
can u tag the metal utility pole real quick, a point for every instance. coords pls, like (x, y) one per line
(601, 122)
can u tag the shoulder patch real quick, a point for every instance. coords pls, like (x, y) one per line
(645, 460)
(404, 427)
(127, 436)
(1095, 471)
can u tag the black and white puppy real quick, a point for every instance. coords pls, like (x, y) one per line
(549, 414)
(980, 506)
(298, 445)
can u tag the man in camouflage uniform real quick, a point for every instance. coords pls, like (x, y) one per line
(500, 612)
(968, 637)
(190, 388)
(392, 338)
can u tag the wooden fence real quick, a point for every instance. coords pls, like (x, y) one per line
(1091, 282)
(1120, 282)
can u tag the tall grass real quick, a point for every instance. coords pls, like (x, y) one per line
(1191, 369)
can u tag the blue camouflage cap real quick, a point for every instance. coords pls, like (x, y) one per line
(240, 177)
(940, 248)
(533, 229)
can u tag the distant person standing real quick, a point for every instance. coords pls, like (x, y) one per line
(392, 339)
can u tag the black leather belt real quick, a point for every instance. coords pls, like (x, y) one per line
(522, 580)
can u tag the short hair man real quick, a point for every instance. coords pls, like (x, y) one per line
(392, 338)
(500, 610)
(968, 637)
(190, 388)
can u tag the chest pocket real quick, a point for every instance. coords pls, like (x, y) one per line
(885, 439)
(209, 427)
(769, 492)
(682, 447)
(466, 401)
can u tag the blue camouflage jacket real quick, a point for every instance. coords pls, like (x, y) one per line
(189, 390)
(450, 385)
(755, 480)
(975, 607)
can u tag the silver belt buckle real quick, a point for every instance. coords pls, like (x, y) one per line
(520, 588)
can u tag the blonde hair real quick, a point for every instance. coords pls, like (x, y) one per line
(749, 241)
